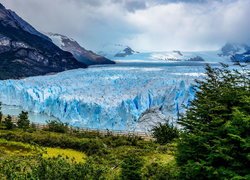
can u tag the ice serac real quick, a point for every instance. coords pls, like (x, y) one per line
(104, 98)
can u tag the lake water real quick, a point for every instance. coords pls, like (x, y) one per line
(34, 117)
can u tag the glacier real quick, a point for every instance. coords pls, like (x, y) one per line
(110, 97)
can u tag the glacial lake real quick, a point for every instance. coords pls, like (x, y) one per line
(34, 117)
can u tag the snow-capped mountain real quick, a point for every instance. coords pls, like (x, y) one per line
(236, 52)
(244, 57)
(230, 49)
(26, 52)
(125, 52)
(112, 51)
(174, 56)
(80, 53)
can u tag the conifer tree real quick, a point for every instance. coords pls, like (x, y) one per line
(8, 123)
(23, 120)
(1, 114)
(216, 142)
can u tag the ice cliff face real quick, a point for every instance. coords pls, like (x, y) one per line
(105, 98)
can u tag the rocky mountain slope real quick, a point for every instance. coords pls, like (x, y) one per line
(26, 52)
(80, 53)
(236, 52)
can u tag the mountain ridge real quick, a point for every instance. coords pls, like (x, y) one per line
(80, 53)
(26, 52)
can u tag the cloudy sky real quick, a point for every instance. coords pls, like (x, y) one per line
(145, 25)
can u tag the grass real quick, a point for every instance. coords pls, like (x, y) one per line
(12, 148)
(76, 156)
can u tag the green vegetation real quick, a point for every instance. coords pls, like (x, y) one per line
(99, 156)
(213, 143)
(216, 142)
(165, 133)
(23, 120)
(131, 167)
(57, 126)
(8, 122)
(1, 114)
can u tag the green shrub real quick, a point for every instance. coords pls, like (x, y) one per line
(132, 167)
(36, 167)
(60, 168)
(156, 171)
(165, 133)
(57, 126)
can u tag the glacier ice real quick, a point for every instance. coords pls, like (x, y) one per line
(106, 97)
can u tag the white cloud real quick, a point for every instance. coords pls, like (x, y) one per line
(144, 25)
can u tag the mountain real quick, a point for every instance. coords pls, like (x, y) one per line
(230, 49)
(26, 52)
(125, 52)
(236, 52)
(244, 57)
(80, 53)
(112, 51)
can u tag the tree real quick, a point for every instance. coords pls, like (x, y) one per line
(165, 133)
(23, 120)
(8, 123)
(1, 114)
(216, 142)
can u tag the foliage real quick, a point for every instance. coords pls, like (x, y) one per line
(131, 167)
(165, 133)
(1, 114)
(8, 123)
(36, 167)
(57, 126)
(157, 171)
(23, 120)
(216, 142)
(60, 168)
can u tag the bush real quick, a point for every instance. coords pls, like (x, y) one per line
(131, 167)
(156, 171)
(216, 141)
(49, 169)
(165, 133)
(57, 126)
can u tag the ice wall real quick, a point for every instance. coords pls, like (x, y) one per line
(104, 97)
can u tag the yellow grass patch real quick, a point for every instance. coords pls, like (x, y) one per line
(76, 156)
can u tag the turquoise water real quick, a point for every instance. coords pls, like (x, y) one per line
(34, 117)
